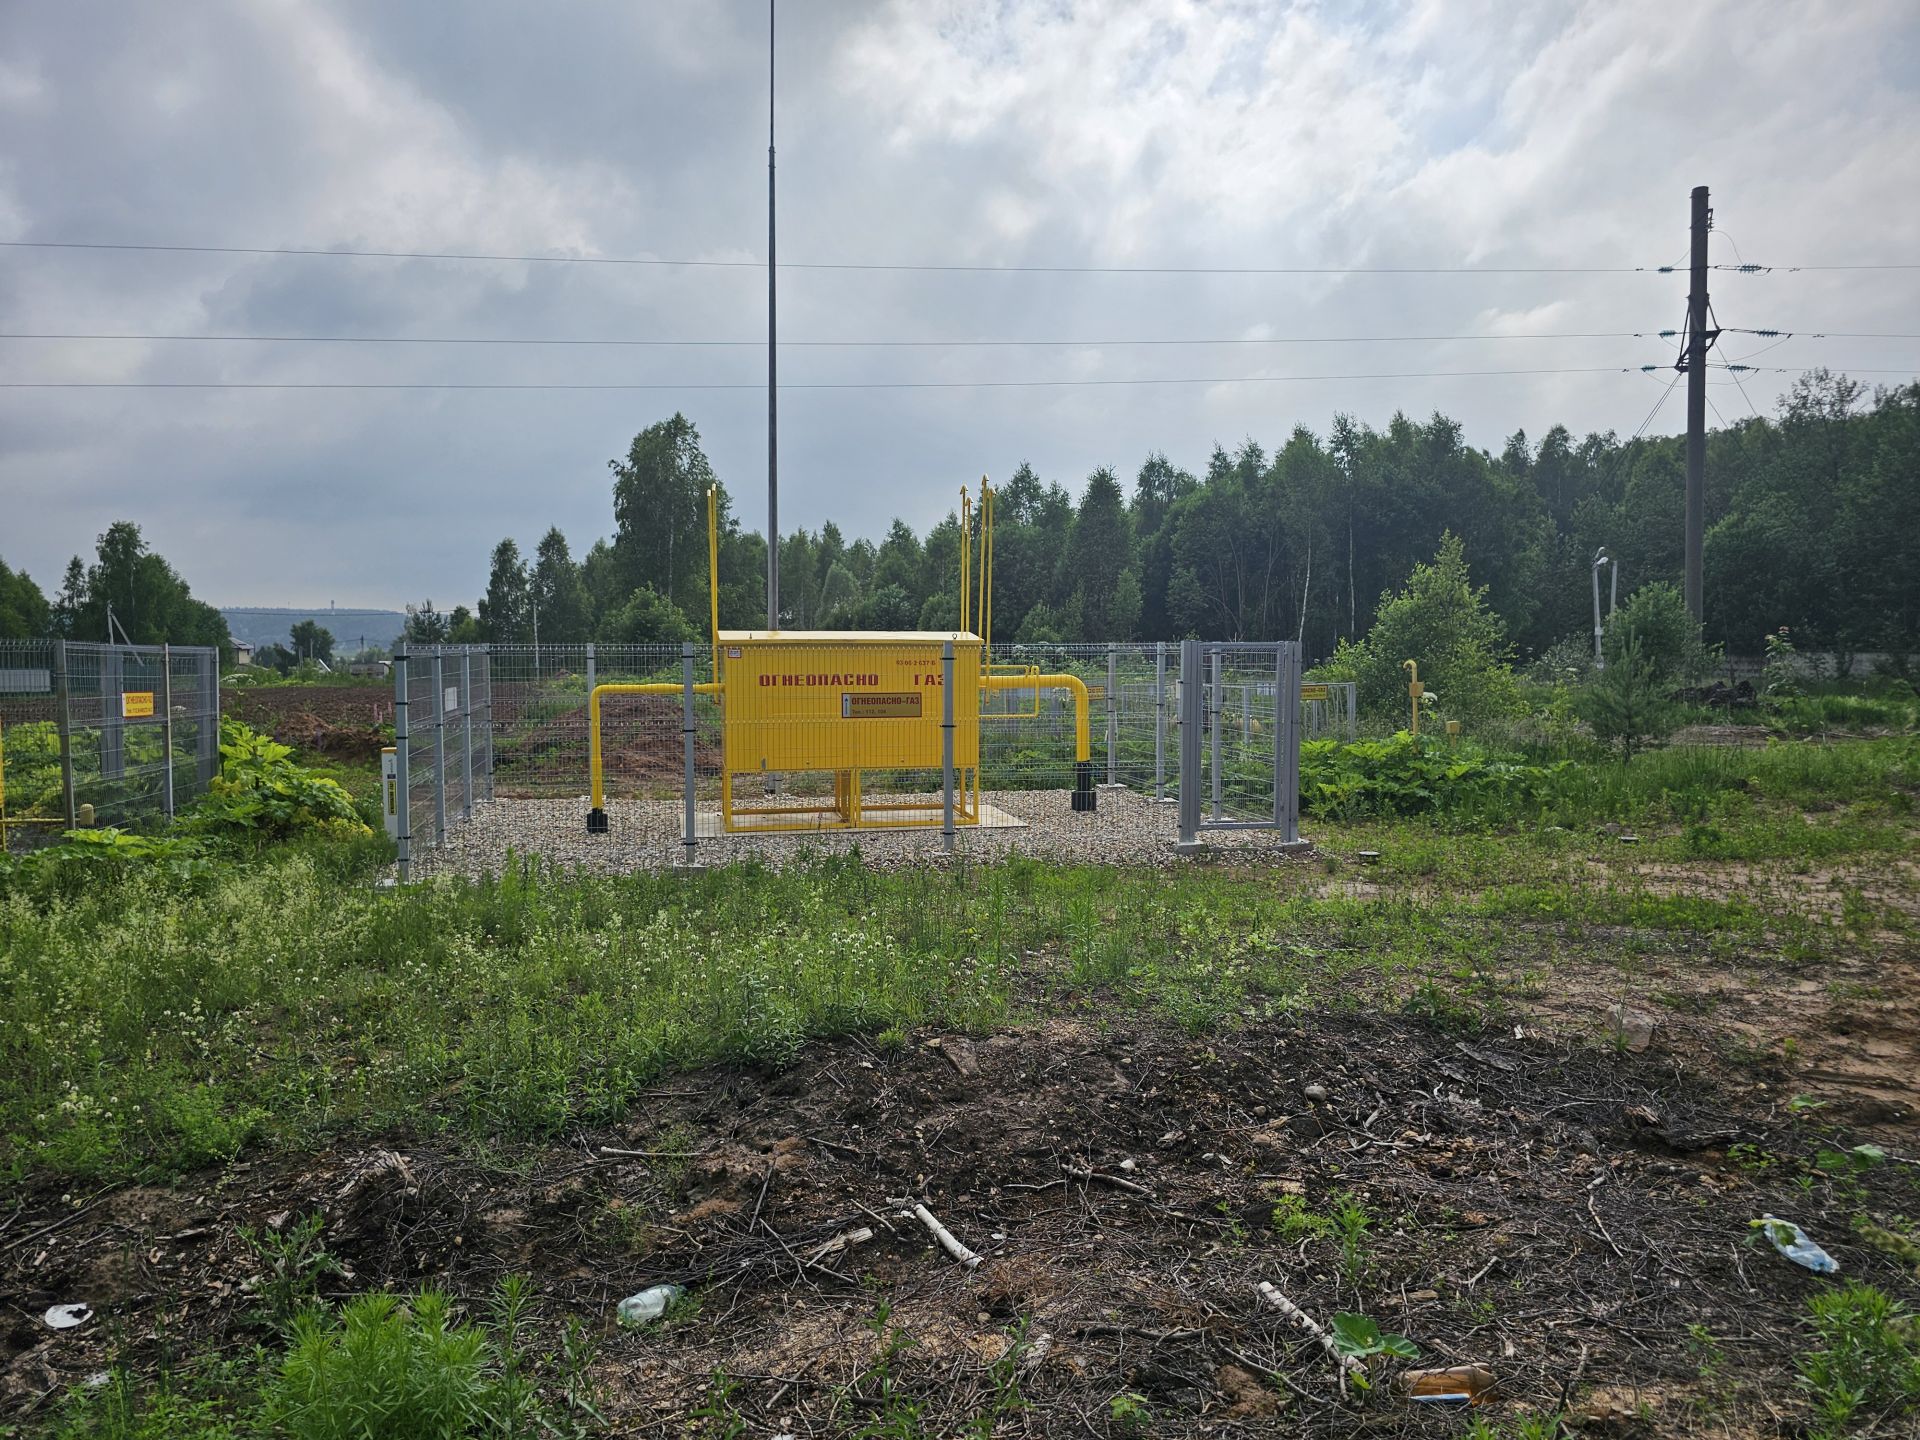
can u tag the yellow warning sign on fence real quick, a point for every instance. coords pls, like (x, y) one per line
(136, 704)
(1313, 692)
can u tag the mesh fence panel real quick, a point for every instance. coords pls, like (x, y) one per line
(540, 718)
(1243, 686)
(132, 731)
(1331, 715)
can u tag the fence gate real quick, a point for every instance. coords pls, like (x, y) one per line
(103, 734)
(1239, 720)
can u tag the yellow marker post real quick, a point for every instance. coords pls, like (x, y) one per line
(1414, 691)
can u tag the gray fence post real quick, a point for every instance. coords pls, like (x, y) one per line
(592, 672)
(402, 779)
(207, 669)
(1159, 720)
(1191, 709)
(946, 747)
(688, 838)
(1286, 741)
(439, 750)
(113, 725)
(466, 741)
(1113, 713)
(166, 728)
(486, 730)
(1213, 709)
(63, 696)
(1353, 717)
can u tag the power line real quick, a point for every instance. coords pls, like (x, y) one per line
(851, 384)
(826, 344)
(802, 385)
(754, 264)
(1796, 269)
(1651, 413)
(1808, 334)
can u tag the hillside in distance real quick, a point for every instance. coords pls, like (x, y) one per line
(352, 630)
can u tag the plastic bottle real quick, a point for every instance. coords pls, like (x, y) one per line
(649, 1304)
(1794, 1243)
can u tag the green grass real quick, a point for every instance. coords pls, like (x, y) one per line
(1862, 1374)
(1843, 713)
(380, 1365)
(168, 1012)
(158, 1026)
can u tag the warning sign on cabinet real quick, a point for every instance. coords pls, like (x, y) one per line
(878, 707)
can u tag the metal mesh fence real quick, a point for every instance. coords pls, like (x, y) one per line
(830, 743)
(445, 750)
(1076, 747)
(1330, 710)
(119, 735)
(1243, 685)
(540, 718)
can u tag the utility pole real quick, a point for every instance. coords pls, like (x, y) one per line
(1599, 632)
(773, 392)
(1699, 341)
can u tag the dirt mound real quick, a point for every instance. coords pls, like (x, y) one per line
(342, 722)
(1561, 1214)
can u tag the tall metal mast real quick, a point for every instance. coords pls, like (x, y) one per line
(773, 391)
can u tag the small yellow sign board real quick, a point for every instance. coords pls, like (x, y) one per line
(136, 704)
(1313, 692)
(855, 705)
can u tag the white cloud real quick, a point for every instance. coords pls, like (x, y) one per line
(1432, 132)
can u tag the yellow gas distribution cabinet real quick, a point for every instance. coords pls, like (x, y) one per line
(800, 701)
(819, 700)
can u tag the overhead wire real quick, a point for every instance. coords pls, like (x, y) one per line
(848, 384)
(619, 341)
(903, 267)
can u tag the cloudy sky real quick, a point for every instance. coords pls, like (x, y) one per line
(1161, 133)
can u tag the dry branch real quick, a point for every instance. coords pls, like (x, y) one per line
(1348, 1364)
(845, 1240)
(940, 1232)
(1114, 1180)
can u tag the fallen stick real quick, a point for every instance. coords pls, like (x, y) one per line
(1349, 1365)
(1113, 1180)
(615, 1150)
(940, 1232)
(845, 1240)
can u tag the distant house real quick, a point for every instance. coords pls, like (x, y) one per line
(242, 653)
(377, 668)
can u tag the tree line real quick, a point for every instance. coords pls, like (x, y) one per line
(128, 593)
(1813, 523)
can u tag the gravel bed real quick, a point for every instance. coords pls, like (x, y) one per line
(1128, 829)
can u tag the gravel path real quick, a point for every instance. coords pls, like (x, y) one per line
(645, 835)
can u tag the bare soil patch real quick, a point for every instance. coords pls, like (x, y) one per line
(339, 721)
(1559, 1211)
